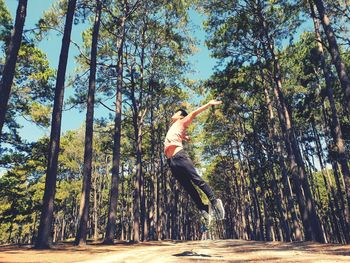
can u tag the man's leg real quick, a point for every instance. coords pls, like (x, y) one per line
(185, 181)
(183, 169)
(197, 180)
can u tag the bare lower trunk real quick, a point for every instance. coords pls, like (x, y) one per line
(44, 233)
(86, 188)
(113, 197)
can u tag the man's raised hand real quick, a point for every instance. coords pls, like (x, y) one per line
(215, 102)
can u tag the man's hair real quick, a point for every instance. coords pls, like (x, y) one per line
(183, 112)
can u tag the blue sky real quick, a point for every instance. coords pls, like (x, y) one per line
(73, 119)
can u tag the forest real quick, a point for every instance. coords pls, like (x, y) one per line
(276, 151)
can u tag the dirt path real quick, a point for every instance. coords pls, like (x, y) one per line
(190, 251)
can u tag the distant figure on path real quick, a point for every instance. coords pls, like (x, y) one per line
(181, 165)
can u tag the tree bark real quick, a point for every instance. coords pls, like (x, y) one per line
(329, 188)
(86, 187)
(123, 235)
(160, 197)
(138, 182)
(51, 175)
(95, 209)
(143, 215)
(335, 128)
(312, 225)
(138, 121)
(335, 54)
(11, 59)
(113, 198)
(153, 193)
(338, 197)
(311, 221)
(240, 197)
(276, 144)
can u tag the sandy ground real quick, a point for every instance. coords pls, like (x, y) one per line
(182, 251)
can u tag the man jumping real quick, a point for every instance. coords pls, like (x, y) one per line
(181, 165)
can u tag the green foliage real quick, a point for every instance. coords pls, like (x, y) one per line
(15, 204)
(31, 98)
(5, 24)
(53, 19)
(40, 114)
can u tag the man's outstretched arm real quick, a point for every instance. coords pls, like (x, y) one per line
(189, 118)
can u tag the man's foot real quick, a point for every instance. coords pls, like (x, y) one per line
(218, 209)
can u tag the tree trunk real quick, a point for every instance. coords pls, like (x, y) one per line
(95, 209)
(335, 127)
(335, 54)
(328, 185)
(257, 210)
(311, 221)
(275, 141)
(11, 59)
(159, 198)
(143, 220)
(138, 119)
(136, 200)
(63, 229)
(259, 175)
(45, 226)
(34, 228)
(86, 187)
(239, 196)
(138, 183)
(253, 219)
(123, 235)
(342, 213)
(153, 193)
(312, 225)
(113, 198)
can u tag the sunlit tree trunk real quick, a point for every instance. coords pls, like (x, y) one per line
(44, 233)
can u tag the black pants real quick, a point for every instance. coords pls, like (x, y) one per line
(183, 170)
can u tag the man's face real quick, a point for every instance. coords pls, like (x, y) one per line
(177, 116)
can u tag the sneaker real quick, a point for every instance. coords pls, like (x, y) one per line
(218, 209)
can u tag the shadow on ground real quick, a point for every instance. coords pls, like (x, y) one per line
(191, 254)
